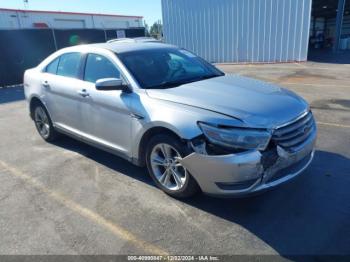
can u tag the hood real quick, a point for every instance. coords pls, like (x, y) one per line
(256, 103)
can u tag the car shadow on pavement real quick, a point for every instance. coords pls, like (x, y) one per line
(11, 94)
(118, 164)
(309, 216)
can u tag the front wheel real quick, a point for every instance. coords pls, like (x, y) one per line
(162, 158)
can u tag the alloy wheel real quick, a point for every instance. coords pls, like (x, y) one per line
(42, 122)
(167, 168)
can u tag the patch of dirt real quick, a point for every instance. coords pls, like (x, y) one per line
(332, 104)
(302, 76)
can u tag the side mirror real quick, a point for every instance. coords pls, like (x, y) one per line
(108, 84)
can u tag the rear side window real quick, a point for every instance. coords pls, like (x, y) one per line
(52, 67)
(69, 65)
(98, 67)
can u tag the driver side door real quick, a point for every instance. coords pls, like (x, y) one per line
(106, 113)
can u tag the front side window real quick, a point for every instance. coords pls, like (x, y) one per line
(52, 67)
(69, 65)
(167, 67)
(98, 67)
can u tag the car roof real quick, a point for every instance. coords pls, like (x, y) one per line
(123, 47)
(118, 47)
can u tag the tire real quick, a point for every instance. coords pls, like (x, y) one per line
(168, 174)
(43, 123)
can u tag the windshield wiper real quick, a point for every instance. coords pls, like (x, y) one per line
(206, 77)
(168, 84)
(171, 84)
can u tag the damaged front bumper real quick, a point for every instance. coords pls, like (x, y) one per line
(244, 173)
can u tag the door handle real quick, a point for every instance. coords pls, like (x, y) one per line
(45, 84)
(83, 93)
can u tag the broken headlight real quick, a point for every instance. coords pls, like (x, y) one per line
(232, 137)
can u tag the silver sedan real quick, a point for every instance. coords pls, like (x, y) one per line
(160, 106)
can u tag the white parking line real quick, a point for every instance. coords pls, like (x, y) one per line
(84, 212)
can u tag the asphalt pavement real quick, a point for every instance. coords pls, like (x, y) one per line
(70, 198)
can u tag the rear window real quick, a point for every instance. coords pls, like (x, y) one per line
(69, 65)
(52, 67)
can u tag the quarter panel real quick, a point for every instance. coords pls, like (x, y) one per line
(32, 84)
(33, 88)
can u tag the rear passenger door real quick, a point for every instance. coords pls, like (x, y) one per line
(106, 113)
(61, 87)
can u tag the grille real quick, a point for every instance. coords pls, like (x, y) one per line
(294, 134)
(294, 168)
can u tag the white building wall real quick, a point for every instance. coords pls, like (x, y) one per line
(239, 30)
(20, 20)
(117, 22)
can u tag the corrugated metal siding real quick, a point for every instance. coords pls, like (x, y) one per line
(239, 30)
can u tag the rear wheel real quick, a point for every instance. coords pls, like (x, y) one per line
(162, 158)
(43, 123)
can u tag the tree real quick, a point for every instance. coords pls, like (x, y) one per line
(156, 30)
(146, 29)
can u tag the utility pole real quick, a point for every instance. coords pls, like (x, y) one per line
(339, 24)
(25, 3)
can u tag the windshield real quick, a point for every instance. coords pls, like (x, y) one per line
(167, 67)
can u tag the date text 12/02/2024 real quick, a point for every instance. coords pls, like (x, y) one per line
(173, 258)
